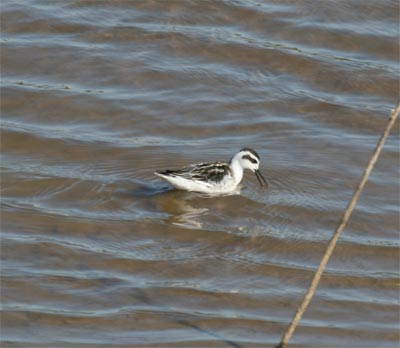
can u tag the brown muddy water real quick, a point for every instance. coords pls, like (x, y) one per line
(97, 95)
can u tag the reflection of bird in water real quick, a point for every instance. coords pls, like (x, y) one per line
(174, 204)
(188, 218)
(215, 177)
(182, 213)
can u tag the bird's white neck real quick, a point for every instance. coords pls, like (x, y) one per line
(236, 169)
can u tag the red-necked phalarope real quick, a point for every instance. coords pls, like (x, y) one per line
(215, 177)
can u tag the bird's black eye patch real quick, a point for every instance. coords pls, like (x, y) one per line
(252, 160)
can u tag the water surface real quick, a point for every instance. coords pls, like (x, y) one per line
(97, 95)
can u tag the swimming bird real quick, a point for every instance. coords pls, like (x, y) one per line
(215, 177)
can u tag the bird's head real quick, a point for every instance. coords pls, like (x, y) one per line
(249, 159)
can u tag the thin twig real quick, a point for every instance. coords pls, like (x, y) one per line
(314, 283)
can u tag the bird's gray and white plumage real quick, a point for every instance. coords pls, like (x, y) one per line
(206, 172)
(215, 177)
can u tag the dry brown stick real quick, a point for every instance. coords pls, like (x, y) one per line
(314, 283)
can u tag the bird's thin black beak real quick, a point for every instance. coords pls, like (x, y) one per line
(260, 178)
